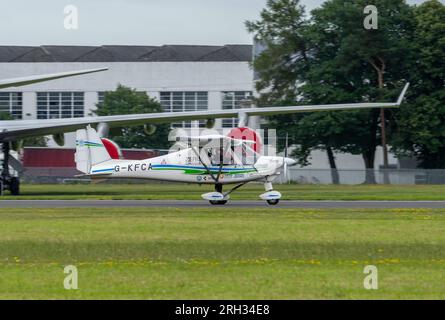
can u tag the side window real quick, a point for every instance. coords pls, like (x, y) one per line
(218, 155)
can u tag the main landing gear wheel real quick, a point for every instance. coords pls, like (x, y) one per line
(7, 181)
(218, 203)
(273, 202)
(14, 186)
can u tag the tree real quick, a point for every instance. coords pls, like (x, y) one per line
(282, 68)
(125, 100)
(6, 116)
(329, 58)
(421, 125)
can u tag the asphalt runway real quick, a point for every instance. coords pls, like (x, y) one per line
(231, 204)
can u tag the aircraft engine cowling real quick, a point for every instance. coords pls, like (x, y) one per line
(113, 149)
(59, 138)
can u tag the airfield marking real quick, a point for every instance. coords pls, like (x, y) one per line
(232, 204)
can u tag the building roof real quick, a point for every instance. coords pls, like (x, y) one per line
(171, 53)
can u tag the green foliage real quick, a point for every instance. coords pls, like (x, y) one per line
(221, 253)
(6, 116)
(125, 100)
(421, 122)
(330, 58)
(35, 142)
(282, 28)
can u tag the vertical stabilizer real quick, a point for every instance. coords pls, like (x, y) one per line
(90, 150)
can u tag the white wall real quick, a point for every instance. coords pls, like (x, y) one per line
(346, 161)
(152, 77)
(145, 76)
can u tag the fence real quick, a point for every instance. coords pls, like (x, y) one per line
(300, 176)
(351, 177)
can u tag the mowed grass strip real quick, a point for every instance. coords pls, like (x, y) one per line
(164, 191)
(219, 253)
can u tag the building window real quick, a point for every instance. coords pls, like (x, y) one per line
(185, 101)
(100, 97)
(233, 100)
(55, 105)
(12, 103)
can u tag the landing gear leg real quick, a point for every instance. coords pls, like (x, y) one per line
(8, 182)
(272, 197)
(219, 189)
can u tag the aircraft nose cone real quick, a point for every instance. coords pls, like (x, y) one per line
(290, 162)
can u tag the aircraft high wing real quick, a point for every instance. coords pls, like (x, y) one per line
(18, 82)
(7, 181)
(11, 130)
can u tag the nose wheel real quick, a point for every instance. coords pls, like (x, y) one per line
(271, 196)
(273, 202)
(217, 198)
(218, 202)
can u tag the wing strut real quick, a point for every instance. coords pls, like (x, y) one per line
(202, 162)
(221, 162)
(221, 159)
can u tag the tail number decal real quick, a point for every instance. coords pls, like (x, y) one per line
(137, 167)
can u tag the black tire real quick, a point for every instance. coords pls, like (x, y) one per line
(218, 203)
(14, 186)
(273, 202)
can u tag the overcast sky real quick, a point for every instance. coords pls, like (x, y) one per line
(139, 22)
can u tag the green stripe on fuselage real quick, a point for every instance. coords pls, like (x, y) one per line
(201, 172)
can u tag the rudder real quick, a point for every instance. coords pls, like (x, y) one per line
(90, 150)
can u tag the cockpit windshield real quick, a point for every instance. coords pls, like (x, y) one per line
(232, 155)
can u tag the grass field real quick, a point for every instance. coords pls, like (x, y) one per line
(216, 253)
(249, 192)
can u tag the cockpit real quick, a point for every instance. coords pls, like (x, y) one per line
(230, 155)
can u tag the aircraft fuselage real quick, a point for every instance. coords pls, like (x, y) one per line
(183, 167)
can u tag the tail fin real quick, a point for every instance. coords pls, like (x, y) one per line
(90, 150)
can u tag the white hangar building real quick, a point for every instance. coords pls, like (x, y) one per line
(182, 78)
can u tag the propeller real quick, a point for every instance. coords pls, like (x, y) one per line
(286, 172)
(287, 162)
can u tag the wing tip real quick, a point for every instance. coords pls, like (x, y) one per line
(402, 94)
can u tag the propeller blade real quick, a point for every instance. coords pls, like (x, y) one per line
(286, 172)
(286, 178)
(287, 145)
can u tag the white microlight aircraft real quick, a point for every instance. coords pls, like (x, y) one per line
(16, 130)
(209, 159)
